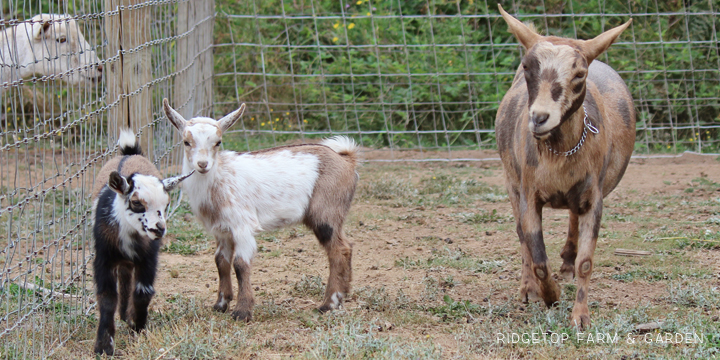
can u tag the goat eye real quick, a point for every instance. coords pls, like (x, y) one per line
(186, 143)
(218, 143)
(579, 76)
(135, 203)
(61, 39)
(525, 67)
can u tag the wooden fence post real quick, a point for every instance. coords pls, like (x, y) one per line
(126, 31)
(193, 85)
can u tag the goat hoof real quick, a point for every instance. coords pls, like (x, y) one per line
(220, 307)
(581, 321)
(529, 293)
(551, 293)
(242, 315)
(325, 308)
(567, 273)
(107, 349)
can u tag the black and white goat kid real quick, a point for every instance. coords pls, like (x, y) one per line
(129, 213)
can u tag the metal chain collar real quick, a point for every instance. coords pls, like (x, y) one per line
(588, 126)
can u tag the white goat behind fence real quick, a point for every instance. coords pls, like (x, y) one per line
(49, 45)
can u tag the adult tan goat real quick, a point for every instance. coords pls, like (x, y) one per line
(565, 132)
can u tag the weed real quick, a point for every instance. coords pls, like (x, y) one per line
(452, 310)
(309, 286)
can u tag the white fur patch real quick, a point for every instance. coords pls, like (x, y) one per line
(222, 302)
(146, 289)
(341, 144)
(126, 139)
(337, 298)
(259, 192)
(151, 191)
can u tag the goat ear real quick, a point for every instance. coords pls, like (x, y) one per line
(41, 28)
(230, 119)
(594, 47)
(170, 183)
(175, 118)
(119, 183)
(527, 37)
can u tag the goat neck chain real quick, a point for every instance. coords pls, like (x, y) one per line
(587, 126)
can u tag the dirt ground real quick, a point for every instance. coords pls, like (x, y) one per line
(436, 268)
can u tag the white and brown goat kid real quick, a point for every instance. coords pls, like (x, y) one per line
(237, 195)
(130, 201)
(565, 130)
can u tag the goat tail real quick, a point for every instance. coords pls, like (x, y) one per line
(343, 145)
(128, 143)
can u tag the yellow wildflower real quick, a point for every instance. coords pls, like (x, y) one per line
(352, 25)
(336, 25)
(359, 2)
(335, 39)
(287, 113)
(262, 124)
(367, 14)
(277, 119)
(305, 121)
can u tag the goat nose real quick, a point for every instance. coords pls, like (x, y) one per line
(202, 164)
(160, 226)
(99, 68)
(158, 232)
(540, 118)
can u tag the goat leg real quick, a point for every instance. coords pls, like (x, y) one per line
(532, 240)
(245, 300)
(223, 259)
(144, 279)
(125, 286)
(107, 300)
(339, 253)
(589, 226)
(569, 252)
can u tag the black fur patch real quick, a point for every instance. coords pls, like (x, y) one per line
(580, 295)
(531, 152)
(537, 247)
(121, 163)
(532, 75)
(324, 233)
(131, 150)
(624, 109)
(556, 91)
(578, 88)
(574, 107)
(578, 197)
(592, 109)
(597, 213)
(509, 118)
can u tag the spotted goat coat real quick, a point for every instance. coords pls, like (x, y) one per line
(129, 204)
(237, 195)
(541, 119)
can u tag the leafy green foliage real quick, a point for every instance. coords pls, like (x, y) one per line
(452, 310)
(351, 66)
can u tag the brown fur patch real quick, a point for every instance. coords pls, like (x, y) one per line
(133, 164)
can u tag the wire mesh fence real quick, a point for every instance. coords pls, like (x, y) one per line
(63, 98)
(429, 75)
(418, 75)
